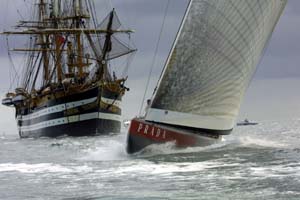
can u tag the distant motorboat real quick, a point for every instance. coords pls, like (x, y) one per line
(246, 122)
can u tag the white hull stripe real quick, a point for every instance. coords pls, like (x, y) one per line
(71, 119)
(57, 108)
(189, 120)
(63, 107)
(116, 103)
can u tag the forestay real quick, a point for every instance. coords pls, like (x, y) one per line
(216, 52)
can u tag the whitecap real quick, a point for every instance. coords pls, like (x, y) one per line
(41, 168)
(106, 149)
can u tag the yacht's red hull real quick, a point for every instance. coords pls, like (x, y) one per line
(143, 133)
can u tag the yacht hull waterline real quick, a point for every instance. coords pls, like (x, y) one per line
(143, 133)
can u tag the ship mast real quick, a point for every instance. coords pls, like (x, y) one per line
(107, 45)
(44, 41)
(58, 39)
(59, 30)
(78, 18)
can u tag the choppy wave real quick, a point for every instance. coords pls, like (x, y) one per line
(108, 150)
(42, 168)
(255, 160)
(267, 135)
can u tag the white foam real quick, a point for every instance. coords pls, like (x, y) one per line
(147, 167)
(259, 142)
(170, 148)
(106, 149)
(41, 168)
(112, 153)
(276, 171)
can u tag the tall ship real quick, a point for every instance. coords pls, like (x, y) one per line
(68, 86)
(213, 59)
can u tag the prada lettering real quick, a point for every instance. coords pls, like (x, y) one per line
(151, 130)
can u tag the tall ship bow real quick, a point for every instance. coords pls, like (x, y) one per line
(68, 85)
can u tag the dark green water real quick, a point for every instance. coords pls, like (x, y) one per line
(255, 162)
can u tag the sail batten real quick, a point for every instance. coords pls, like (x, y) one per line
(215, 55)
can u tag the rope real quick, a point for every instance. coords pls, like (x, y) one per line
(128, 64)
(154, 58)
(129, 57)
(16, 76)
(110, 4)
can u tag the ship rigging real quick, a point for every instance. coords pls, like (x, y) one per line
(67, 80)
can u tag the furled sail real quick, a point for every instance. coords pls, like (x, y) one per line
(215, 54)
(116, 47)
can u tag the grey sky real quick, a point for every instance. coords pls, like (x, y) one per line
(281, 59)
(283, 54)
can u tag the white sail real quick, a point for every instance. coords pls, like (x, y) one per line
(212, 61)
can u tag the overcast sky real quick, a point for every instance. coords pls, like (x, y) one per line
(276, 80)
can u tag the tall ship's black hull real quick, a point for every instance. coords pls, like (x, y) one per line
(95, 111)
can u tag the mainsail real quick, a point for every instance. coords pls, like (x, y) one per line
(214, 57)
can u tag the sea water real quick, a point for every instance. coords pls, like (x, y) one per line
(255, 162)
